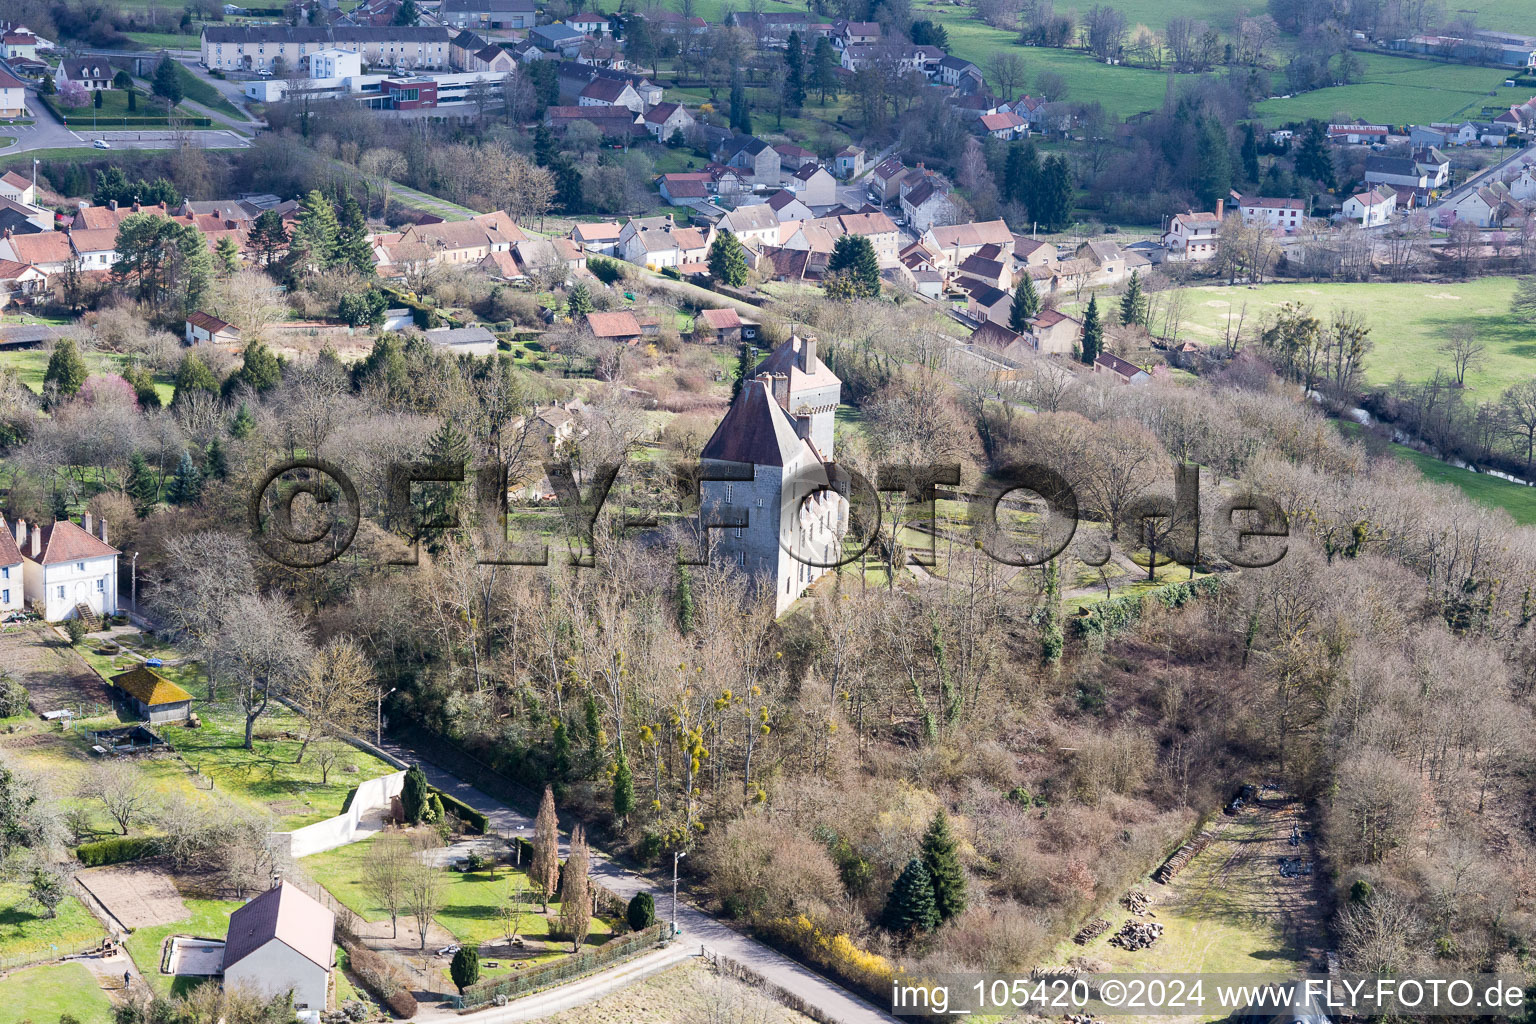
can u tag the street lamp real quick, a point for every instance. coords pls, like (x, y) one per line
(378, 722)
(677, 855)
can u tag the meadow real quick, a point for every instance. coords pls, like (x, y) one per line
(1516, 499)
(1408, 321)
(32, 364)
(1401, 90)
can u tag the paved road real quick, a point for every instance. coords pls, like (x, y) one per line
(697, 927)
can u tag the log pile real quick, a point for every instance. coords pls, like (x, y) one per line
(1186, 853)
(1138, 903)
(1137, 935)
(1090, 931)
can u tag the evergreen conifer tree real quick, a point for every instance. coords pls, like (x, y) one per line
(794, 79)
(1132, 305)
(226, 257)
(743, 371)
(1093, 332)
(1026, 305)
(853, 257)
(1021, 175)
(944, 870)
(218, 459)
(1055, 196)
(67, 372)
(561, 746)
(241, 426)
(260, 369)
(910, 908)
(623, 788)
(1250, 154)
(353, 250)
(728, 260)
(193, 375)
(579, 302)
(186, 484)
(684, 600)
(141, 486)
(314, 236)
(413, 795)
(465, 968)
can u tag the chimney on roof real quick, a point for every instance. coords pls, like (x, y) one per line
(112, 204)
(807, 358)
(781, 389)
(101, 529)
(21, 533)
(86, 522)
(1221, 206)
(35, 535)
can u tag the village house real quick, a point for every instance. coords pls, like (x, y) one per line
(788, 207)
(92, 74)
(1004, 125)
(954, 70)
(23, 220)
(1393, 170)
(48, 251)
(19, 45)
(1280, 214)
(724, 326)
(280, 942)
(757, 224)
(688, 188)
(614, 122)
(606, 92)
(821, 235)
(1054, 333)
(205, 328)
(1434, 165)
(658, 242)
(885, 180)
(12, 592)
(1191, 237)
(591, 23)
(497, 15)
(601, 239)
(987, 268)
(17, 189)
(1110, 266)
(94, 249)
(1488, 206)
(68, 570)
(815, 186)
(151, 696)
(985, 302)
(927, 205)
(1121, 370)
(793, 157)
(1032, 252)
(619, 326)
(1371, 208)
(954, 242)
(849, 162)
(664, 119)
(750, 154)
(18, 282)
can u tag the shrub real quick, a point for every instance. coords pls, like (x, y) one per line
(473, 820)
(434, 815)
(13, 696)
(465, 969)
(641, 912)
(115, 850)
(76, 630)
(402, 1004)
(413, 795)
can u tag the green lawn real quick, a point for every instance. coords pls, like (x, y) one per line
(1516, 499)
(1408, 323)
(32, 364)
(200, 91)
(43, 994)
(1402, 90)
(163, 40)
(25, 929)
(209, 919)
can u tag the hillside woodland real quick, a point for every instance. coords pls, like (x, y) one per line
(968, 730)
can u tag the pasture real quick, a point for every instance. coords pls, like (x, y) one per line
(1408, 321)
(1400, 90)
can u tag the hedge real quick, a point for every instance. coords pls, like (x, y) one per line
(574, 965)
(383, 979)
(115, 850)
(119, 121)
(1109, 618)
(465, 813)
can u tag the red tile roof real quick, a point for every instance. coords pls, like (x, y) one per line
(63, 541)
(10, 554)
(614, 325)
(721, 319)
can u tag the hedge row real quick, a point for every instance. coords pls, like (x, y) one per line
(108, 121)
(386, 981)
(1108, 619)
(422, 315)
(465, 813)
(115, 850)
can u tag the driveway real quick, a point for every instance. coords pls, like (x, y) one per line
(834, 1003)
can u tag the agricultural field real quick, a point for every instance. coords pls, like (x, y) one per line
(1408, 322)
(1401, 90)
(43, 994)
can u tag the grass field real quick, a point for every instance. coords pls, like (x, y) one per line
(1401, 90)
(209, 919)
(691, 991)
(44, 994)
(25, 929)
(1516, 499)
(1408, 323)
(198, 90)
(32, 364)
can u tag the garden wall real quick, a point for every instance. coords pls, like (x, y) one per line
(371, 801)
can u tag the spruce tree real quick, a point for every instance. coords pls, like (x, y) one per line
(910, 907)
(579, 302)
(1132, 305)
(1213, 163)
(1055, 196)
(1093, 332)
(314, 236)
(218, 460)
(353, 250)
(794, 78)
(186, 483)
(67, 372)
(1250, 154)
(1021, 175)
(728, 260)
(142, 488)
(413, 795)
(439, 502)
(165, 82)
(226, 257)
(824, 65)
(241, 426)
(1314, 157)
(944, 870)
(1026, 305)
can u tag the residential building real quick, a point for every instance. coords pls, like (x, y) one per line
(600, 238)
(1054, 333)
(928, 205)
(954, 242)
(757, 223)
(282, 942)
(206, 329)
(1488, 206)
(788, 207)
(750, 154)
(12, 576)
(723, 326)
(1031, 252)
(151, 696)
(821, 235)
(256, 47)
(13, 96)
(90, 73)
(499, 15)
(19, 281)
(68, 568)
(854, 33)
(17, 188)
(885, 180)
(815, 186)
(765, 499)
(19, 45)
(954, 70)
(615, 122)
(986, 302)
(48, 251)
(95, 249)
(1280, 214)
(463, 341)
(619, 326)
(605, 92)
(1358, 132)
(332, 62)
(664, 119)
(658, 242)
(1434, 165)
(1122, 370)
(1371, 208)
(849, 162)
(772, 30)
(995, 272)
(1004, 125)
(1107, 260)
(1394, 170)
(591, 23)
(793, 157)
(1421, 136)
(1191, 237)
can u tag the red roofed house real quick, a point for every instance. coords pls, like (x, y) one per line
(1284, 214)
(20, 44)
(620, 326)
(725, 326)
(205, 328)
(67, 567)
(17, 189)
(280, 942)
(48, 251)
(19, 279)
(1004, 125)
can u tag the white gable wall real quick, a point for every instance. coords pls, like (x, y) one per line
(276, 968)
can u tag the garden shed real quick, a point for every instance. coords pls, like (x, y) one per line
(152, 696)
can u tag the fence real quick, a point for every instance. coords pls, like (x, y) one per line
(372, 795)
(576, 965)
(43, 955)
(778, 993)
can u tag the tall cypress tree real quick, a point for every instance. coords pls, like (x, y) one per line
(1213, 163)
(1132, 305)
(1250, 154)
(794, 79)
(623, 788)
(1093, 332)
(910, 907)
(413, 795)
(743, 371)
(1026, 305)
(943, 864)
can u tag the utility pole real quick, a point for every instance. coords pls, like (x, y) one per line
(677, 855)
(378, 721)
(133, 576)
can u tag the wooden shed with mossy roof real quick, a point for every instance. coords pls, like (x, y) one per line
(154, 697)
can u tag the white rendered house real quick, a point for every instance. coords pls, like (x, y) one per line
(279, 942)
(65, 566)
